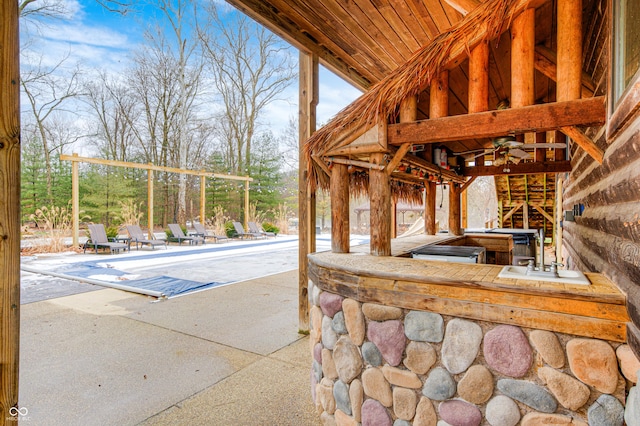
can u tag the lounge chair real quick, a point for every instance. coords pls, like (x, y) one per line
(176, 230)
(240, 232)
(201, 231)
(136, 235)
(254, 228)
(98, 239)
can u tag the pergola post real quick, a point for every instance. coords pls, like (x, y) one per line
(308, 100)
(380, 200)
(339, 208)
(150, 225)
(203, 197)
(246, 204)
(9, 210)
(75, 203)
(438, 107)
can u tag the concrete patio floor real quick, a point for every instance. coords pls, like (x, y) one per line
(227, 355)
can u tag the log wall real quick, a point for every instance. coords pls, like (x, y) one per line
(606, 237)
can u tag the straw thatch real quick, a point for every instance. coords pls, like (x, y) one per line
(486, 22)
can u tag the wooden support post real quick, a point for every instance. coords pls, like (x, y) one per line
(464, 213)
(522, 59)
(9, 211)
(525, 216)
(75, 203)
(454, 210)
(339, 208)
(558, 221)
(408, 113)
(479, 83)
(438, 107)
(246, 204)
(150, 224)
(307, 102)
(380, 201)
(394, 219)
(203, 198)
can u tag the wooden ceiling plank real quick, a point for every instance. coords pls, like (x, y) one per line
(519, 169)
(534, 118)
(402, 25)
(463, 6)
(419, 9)
(439, 15)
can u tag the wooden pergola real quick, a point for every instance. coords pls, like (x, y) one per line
(150, 168)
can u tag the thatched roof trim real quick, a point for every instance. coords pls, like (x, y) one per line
(485, 23)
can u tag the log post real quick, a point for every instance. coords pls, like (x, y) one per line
(522, 59)
(9, 210)
(150, 225)
(246, 204)
(479, 83)
(203, 198)
(454, 210)
(380, 200)
(339, 193)
(568, 86)
(408, 113)
(308, 100)
(438, 107)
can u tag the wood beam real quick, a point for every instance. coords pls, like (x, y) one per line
(380, 213)
(584, 142)
(512, 211)
(357, 163)
(307, 102)
(397, 158)
(339, 193)
(534, 118)
(519, 169)
(463, 6)
(541, 210)
(9, 211)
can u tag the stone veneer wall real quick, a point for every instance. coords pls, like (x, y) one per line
(383, 366)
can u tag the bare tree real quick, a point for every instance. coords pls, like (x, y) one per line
(250, 68)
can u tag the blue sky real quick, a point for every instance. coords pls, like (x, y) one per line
(104, 40)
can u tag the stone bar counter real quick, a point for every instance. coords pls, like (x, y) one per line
(400, 341)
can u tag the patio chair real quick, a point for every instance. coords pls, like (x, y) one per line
(98, 239)
(254, 228)
(201, 231)
(176, 230)
(136, 235)
(241, 233)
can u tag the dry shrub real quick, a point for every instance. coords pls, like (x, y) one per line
(56, 223)
(281, 216)
(218, 220)
(255, 215)
(130, 212)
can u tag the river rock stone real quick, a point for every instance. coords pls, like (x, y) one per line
(632, 410)
(354, 320)
(570, 393)
(347, 359)
(375, 312)
(507, 350)
(502, 411)
(606, 411)
(330, 303)
(403, 378)
(341, 395)
(629, 364)
(389, 338)
(594, 362)
(549, 347)
(315, 334)
(420, 357)
(327, 419)
(404, 403)
(343, 419)
(460, 413)
(374, 414)
(476, 386)
(424, 326)
(338, 324)
(325, 394)
(329, 337)
(529, 394)
(425, 413)
(461, 345)
(317, 352)
(538, 419)
(314, 382)
(371, 354)
(317, 370)
(439, 385)
(356, 396)
(376, 386)
(314, 293)
(400, 422)
(328, 365)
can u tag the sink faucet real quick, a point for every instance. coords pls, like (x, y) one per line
(540, 271)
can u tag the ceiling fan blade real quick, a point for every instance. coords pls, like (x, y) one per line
(517, 152)
(500, 161)
(543, 145)
(472, 151)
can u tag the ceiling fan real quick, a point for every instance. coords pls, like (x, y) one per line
(510, 147)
